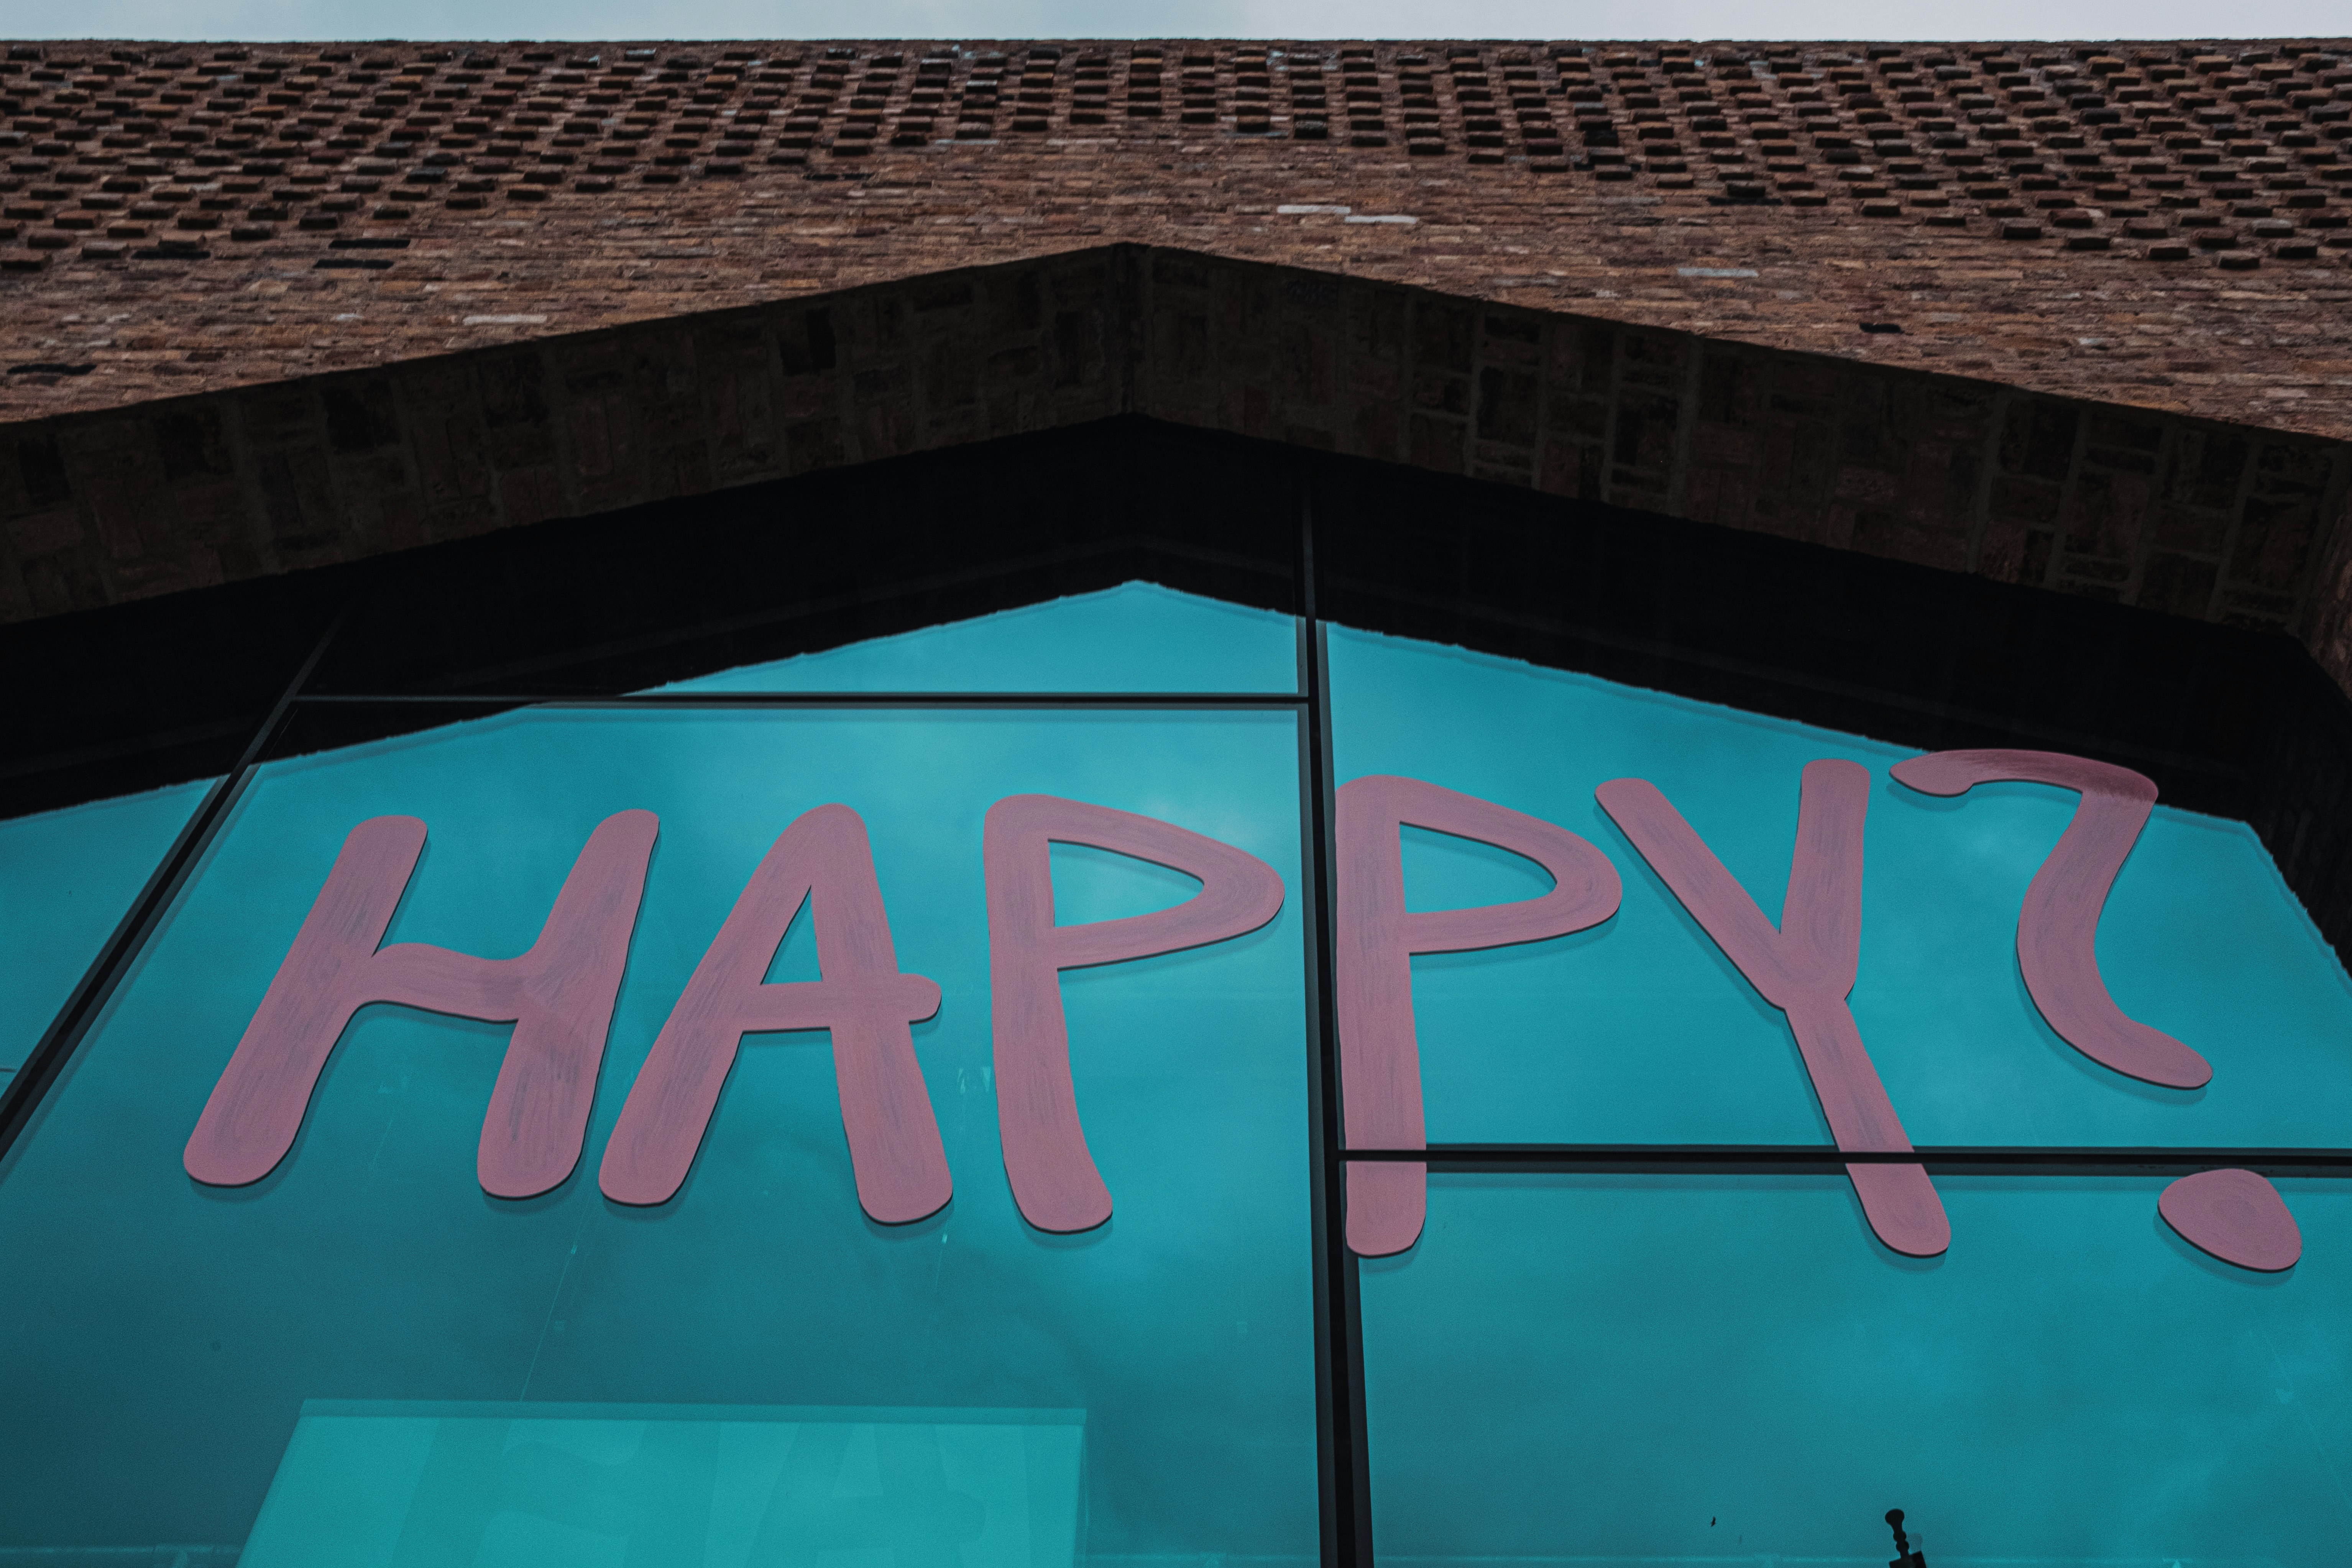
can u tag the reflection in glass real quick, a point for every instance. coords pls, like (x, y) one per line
(180, 1327)
(66, 878)
(363, 1484)
(1642, 1370)
(1137, 637)
(1641, 1031)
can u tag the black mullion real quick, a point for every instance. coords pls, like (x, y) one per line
(1764, 1159)
(658, 700)
(1321, 1169)
(1345, 1521)
(49, 1055)
(1343, 1442)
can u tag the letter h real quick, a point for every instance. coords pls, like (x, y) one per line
(558, 996)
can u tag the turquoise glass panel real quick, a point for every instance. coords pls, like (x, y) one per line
(1641, 1031)
(66, 878)
(365, 1484)
(1137, 637)
(173, 1333)
(1622, 1371)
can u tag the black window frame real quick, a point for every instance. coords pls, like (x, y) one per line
(2234, 722)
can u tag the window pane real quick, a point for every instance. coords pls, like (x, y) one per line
(66, 878)
(1137, 637)
(1640, 1030)
(1644, 1370)
(172, 1332)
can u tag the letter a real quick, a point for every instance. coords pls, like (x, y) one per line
(1805, 968)
(824, 860)
(1379, 1058)
(558, 996)
(1046, 1156)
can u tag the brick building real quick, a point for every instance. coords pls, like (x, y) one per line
(1955, 396)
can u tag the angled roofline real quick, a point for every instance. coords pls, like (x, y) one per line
(2223, 523)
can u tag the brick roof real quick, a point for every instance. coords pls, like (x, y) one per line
(2161, 224)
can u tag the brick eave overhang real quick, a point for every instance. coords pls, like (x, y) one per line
(181, 218)
(267, 307)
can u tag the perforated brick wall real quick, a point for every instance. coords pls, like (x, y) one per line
(2160, 225)
(2057, 314)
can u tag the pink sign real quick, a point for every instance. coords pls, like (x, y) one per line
(1045, 1155)
(1376, 938)
(1805, 966)
(2235, 1216)
(824, 860)
(2058, 929)
(559, 995)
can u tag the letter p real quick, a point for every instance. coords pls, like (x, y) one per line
(1046, 1156)
(1380, 1059)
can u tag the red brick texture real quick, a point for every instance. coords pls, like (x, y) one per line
(268, 307)
(2194, 518)
(2167, 226)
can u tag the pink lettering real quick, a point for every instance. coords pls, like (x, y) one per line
(1805, 967)
(1379, 1054)
(559, 995)
(2057, 930)
(2235, 1216)
(823, 859)
(1045, 1155)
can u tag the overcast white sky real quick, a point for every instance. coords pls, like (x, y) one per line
(1794, 19)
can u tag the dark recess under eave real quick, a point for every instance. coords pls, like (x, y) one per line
(2228, 721)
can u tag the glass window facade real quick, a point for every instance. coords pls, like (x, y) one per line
(1137, 637)
(1643, 1031)
(1646, 1321)
(66, 878)
(1685, 1369)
